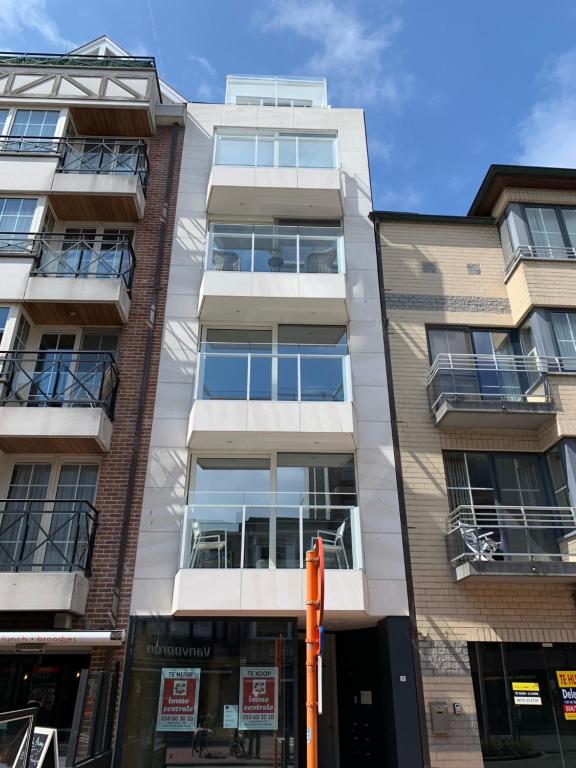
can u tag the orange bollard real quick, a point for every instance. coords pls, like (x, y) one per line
(314, 615)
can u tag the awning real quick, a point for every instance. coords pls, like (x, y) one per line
(33, 641)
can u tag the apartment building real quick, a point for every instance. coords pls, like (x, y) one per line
(481, 313)
(271, 428)
(89, 151)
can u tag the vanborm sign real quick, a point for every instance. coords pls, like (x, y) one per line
(178, 704)
(258, 699)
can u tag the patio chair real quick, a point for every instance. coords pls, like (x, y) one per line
(214, 541)
(334, 543)
(479, 544)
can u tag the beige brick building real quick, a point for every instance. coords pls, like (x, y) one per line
(481, 314)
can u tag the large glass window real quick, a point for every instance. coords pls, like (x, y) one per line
(206, 691)
(268, 148)
(260, 513)
(564, 327)
(304, 363)
(37, 124)
(546, 231)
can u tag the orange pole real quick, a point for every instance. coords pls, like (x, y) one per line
(311, 659)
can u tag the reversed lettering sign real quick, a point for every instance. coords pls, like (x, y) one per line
(526, 694)
(258, 699)
(178, 703)
(567, 686)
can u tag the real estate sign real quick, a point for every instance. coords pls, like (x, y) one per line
(178, 704)
(567, 685)
(526, 693)
(258, 699)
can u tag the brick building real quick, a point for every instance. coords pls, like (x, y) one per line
(481, 328)
(90, 148)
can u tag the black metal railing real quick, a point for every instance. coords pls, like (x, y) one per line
(99, 155)
(48, 378)
(69, 255)
(76, 60)
(49, 535)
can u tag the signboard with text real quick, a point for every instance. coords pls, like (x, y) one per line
(43, 750)
(567, 686)
(526, 693)
(258, 699)
(178, 703)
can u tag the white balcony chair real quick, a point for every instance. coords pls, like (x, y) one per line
(334, 543)
(216, 541)
(479, 544)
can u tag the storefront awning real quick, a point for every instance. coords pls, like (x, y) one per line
(31, 641)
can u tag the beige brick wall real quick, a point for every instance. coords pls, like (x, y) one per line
(447, 612)
(521, 195)
(540, 284)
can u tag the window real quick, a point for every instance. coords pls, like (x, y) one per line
(16, 214)
(275, 148)
(3, 119)
(3, 318)
(539, 231)
(296, 363)
(36, 124)
(564, 327)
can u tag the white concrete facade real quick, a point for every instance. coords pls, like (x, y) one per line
(238, 428)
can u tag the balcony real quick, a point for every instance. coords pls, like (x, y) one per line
(514, 543)
(94, 276)
(275, 91)
(57, 402)
(271, 273)
(489, 392)
(251, 556)
(275, 173)
(113, 95)
(87, 179)
(256, 398)
(45, 553)
(540, 276)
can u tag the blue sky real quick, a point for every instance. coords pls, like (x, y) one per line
(448, 86)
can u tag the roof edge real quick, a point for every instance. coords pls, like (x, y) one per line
(378, 216)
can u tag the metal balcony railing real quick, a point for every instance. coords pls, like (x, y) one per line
(76, 60)
(46, 535)
(268, 535)
(91, 155)
(68, 255)
(510, 533)
(321, 375)
(537, 252)
(488, 378)
(265, 248)
(48, 378)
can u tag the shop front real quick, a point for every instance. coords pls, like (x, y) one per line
(526, 703)
(210, 692)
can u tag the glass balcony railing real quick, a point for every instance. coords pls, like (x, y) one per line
(50, 378)
(275, 149)
(517, 534)
(46, 535)
(230, 372)
(266, 248)
(257, 534)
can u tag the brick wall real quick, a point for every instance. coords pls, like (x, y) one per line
(450, 614)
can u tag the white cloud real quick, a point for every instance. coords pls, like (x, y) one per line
(24, 16)
(207, 88)
(548, 134)
(203, 64)
(349, 49)
(401, 199)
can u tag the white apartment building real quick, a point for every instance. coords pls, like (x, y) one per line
(271, 428)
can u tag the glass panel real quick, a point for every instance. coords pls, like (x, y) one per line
(288, 378)
(235, 481)
(235, 150)
(313, 339)
(318, 255)
(287, 151)
(318, 479)
(224, 377)
(36, 124)
(22, 515)
(558, 478)
(316, 153)
(569, 215)
(230, 252)
(3, 118)
(545, 227)
(321, 378)
(3, 317)
(265, 152)
(16, 214)
(266, 255)
(52, 371)
(452, 376)
(564, 326)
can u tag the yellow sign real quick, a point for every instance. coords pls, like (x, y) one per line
(566, 679)
(525, 686)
